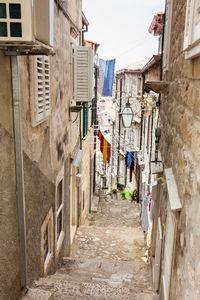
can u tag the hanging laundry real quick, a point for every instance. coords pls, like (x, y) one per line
(104, 151)
(129, 159)
(101, 138)
(105, 148)
(106, 77)
(152, 210)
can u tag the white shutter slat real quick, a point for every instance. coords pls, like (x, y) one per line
(168, 252)
(83, 70)
(167, 37)
(188, 24)
(196, 20)
(43, 87)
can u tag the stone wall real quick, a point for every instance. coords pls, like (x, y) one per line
(180, 144)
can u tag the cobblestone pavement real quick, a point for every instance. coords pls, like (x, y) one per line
(114, 232)
(106, 261)
(101, 279)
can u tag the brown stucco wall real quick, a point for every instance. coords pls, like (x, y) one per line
(180, 144)
(153, 73)
(47, 145)
(47, 148)
(9, 241)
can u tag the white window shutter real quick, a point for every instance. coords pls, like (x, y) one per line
(168, 253)
(41, 85)
(188, 22)
(196, 21)
(156, 267)
(167, 37)
(47, 85)
(39, 105)
(83, 74)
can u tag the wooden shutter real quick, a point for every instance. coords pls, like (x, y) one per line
(83, 74)
(188, 23)
(41, 85)
(196, 21)
(156, 267)
(47, 85)
(168, 253)
(167, 37)
(40, 106)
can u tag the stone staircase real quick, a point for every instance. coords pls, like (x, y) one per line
(93, 278)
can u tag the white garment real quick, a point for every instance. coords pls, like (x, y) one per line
(144, 216)
(152, 210)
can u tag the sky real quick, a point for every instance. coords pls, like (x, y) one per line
(121, 28)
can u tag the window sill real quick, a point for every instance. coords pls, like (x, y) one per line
(47, 263)
(192, 51)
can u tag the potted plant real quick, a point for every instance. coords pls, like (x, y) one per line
(120, 186)
(134, 195)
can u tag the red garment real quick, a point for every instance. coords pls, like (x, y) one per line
(101, 138)
(108, 152)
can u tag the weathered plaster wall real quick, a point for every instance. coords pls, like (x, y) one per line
(9, 241)
(40, 197)
(48, 145)
(153, 73)
(180, 144)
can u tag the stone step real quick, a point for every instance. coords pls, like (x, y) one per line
(37, 294)
(99, 279)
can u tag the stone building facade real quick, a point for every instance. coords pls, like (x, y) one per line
(128, 86)
(176, 233)
(55, 146)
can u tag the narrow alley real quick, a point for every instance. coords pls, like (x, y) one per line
(99, 156)
(107, 257)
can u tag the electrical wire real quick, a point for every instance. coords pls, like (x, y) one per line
(140, 42)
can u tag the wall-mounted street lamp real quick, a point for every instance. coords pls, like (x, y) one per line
(157, 134)
(127, 115)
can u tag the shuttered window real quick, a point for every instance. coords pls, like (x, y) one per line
(47, 242)
(85, 119)
(83, 74)
(192, 29)
(59, 211)
(40, 89)
(168, 253)
(167, 36)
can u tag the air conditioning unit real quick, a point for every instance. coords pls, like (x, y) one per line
(26, 22)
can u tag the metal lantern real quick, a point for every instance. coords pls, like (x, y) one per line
(127, 115)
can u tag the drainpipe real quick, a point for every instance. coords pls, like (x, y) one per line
(15, 74)
(150, 157)
(95, 131)
(112, 156)
(78, 190)
(120, 107)
(141, 129)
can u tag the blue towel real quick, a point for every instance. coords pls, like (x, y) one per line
(109, 78)
(129, 158)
